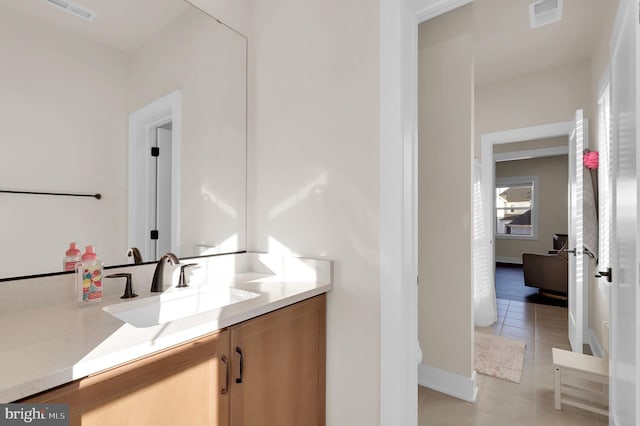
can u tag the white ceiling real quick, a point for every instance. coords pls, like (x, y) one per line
(121, 24)
(506, 46)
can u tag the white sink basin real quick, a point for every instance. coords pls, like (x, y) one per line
(175, 305)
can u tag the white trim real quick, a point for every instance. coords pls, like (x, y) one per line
(594, 344)
(166, 109)
(437, 8)
(531, 153)
(505, 259)
(398, 205)
(516, 237)
(522, 134)
(461, 387)
(604, 82)
(618, 25)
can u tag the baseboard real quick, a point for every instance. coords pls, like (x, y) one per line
(514, 260)
(594, 343)
(448, 383)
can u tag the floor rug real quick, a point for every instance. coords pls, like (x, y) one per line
(498, 356)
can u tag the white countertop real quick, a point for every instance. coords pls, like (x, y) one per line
(49, 346)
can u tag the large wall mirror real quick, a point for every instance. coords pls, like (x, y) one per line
(90, 92)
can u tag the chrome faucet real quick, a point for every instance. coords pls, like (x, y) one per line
(158, 275)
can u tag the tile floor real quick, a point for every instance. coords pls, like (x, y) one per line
(499, 402)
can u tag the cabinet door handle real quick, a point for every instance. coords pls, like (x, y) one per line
(225, 389)
(238, 350)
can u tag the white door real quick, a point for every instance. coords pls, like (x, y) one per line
(623, 353)
(577, 288)
(163, 191)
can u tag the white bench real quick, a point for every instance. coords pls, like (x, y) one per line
(590, 391)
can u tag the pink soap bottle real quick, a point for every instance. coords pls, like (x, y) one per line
(71, 257)
(89, 277)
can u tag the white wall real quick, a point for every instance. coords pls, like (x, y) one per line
(313, 172)
(533, 99)
(445, 156)
(64, 130)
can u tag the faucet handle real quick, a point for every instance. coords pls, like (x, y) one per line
(128, 288)
(183, 279)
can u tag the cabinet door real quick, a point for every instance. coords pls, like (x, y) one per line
(180, 386)
(282, 358)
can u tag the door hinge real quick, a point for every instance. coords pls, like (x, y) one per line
(155, 151)
(153, 234)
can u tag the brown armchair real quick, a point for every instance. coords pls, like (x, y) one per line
(547, 271)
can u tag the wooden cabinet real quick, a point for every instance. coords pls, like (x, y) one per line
(282, 358)
(266, 371)
(178, 386)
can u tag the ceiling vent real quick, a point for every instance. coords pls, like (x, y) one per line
(544, 12)
(73, 9)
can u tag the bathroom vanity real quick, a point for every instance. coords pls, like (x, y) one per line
(265, 371)
(158, 97)
(260, 361)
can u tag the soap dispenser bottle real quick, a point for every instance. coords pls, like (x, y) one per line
(89, 277)
(71, 257)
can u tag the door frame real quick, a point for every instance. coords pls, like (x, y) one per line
(398, 149)
(142, 125)
(488, 167)
(398, 127)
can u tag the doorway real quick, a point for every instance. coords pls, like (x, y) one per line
(578, 290)
(531, 216)
(160, 203)
(398, 87)
(154, 176)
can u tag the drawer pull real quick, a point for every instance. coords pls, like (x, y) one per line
(238, 350)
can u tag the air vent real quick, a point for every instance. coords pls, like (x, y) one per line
(73, 9)
(544, 12)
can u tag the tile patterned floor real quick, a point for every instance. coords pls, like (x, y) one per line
(527, 403)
